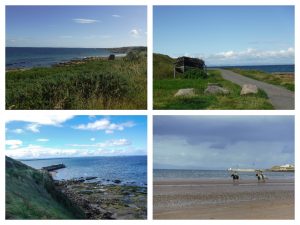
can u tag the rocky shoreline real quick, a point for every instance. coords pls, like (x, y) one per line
(105, 201)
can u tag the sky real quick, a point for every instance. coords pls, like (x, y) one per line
(226, 35)
(56, 136)
(222, 142)
(76, 26)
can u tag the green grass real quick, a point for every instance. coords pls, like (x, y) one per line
(284, 80)
(30, 194)
(98, 84)
(164, 88)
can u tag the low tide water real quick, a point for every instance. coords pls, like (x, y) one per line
(173, 174)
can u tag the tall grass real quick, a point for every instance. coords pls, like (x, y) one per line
(284, 80)
(98, 84)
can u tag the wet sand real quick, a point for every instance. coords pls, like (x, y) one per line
(221, 199)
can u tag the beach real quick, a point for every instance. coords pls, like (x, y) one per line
(221, 199)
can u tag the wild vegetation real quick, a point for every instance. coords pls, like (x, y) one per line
(285, 80)
(165, 86)
(88, 84)
(31, 194)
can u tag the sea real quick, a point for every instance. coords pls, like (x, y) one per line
(26, 57)
(265, 68)
(176, 174)
(130, 170)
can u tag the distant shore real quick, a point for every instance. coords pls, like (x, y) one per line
(221, 199)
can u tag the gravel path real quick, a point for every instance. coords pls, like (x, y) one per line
(279, 97)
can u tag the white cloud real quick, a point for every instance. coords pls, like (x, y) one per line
(42, 140)
(85, 21)
(251, 55)
(107, 144)
(93, 139)
(13, 144)
(18, 131)
(35, 151)
(34, 127)
(116, 16)
(135, 33)
(106, 125)
(40, 119)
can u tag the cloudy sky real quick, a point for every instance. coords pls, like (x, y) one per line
(226, 35)
(43, 136)
(76, 26)
(221, 142)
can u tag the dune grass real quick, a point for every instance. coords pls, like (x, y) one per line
(165, 86)
(285, 80)
(94, 84)
(30, 194)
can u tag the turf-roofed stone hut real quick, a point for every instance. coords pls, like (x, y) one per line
(184, 63)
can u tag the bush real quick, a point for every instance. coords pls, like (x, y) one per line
(195, 73)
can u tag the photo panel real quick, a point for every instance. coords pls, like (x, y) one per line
(224, 167)
(76, 167)
(223, 57)
(76, 57)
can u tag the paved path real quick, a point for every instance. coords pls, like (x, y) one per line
(279, 97)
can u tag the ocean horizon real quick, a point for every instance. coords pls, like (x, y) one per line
(29, 57)
(130, 170)
(285, 68)
(201, 174)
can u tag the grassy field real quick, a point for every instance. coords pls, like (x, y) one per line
(30, 194)
(92, 84)
(165, 86)
(285, 80)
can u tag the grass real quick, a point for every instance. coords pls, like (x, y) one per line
(30, 194)
(94, 84)
(284, 80)
(164, 88)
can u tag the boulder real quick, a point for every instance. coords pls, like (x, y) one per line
(117, 181)
(187, 92)
(249, 89)
(215, 89)
(111, 57)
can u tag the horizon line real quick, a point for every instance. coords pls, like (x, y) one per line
(128, 46)
(28, 159)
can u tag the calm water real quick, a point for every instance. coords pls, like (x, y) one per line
(267, 68)
(128, 169)
(43, 57)
(161, 174)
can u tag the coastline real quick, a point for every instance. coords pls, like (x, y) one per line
(221, 199)
(105, 201)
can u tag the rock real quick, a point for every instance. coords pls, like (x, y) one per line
(249, 89)
(215, 89)
(90, 178)
(187, 92)
(111, 57)
(117, 181)
(86, 192)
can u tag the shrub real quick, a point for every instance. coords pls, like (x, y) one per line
(195, 73)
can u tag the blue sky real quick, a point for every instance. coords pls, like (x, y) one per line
(52, 136)
(226, 35)
(76, 26)
(222, 142)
